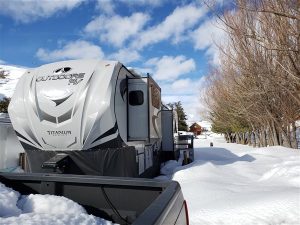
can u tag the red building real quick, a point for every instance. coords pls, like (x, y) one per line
(196, 129)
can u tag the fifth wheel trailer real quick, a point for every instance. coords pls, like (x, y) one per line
(95, 118)
(91, 117)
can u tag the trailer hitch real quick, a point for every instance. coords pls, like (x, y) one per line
(58, 163)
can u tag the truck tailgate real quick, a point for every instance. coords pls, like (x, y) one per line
(121, 200)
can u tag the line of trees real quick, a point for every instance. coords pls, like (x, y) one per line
(4, 105)
(254, 95)
(5, 101)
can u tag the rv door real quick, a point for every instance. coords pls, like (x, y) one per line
(138, 109)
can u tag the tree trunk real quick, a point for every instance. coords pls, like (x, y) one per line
(233, 138)
(257, 138)
(285, 136)
(243, 138)
(253, 138)
(275, 134)
(261, 137)
(280, 138)
(270, 136)
(239, 138)
(293, 136)
(226, 137)
(264, 137)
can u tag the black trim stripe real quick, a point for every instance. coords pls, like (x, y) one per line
(21, 136)
(32, 136)
(107, 133)
(134, 75)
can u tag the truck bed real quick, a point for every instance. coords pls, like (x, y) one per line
(121, 200)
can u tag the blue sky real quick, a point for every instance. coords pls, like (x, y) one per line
(172, 40)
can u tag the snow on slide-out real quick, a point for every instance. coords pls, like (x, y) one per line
(231, 184)
(42, 210)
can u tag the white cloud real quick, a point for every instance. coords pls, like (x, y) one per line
(183, 87)
(174, 26)
(176, 98)
(182, 84)
(116, 29)
(106, 6)
(153, 3)
(2, 61)
(188, 91)
(125, 56)
(73, 50)
(25, 11)
(207, 36)
(143, 70)
(170, 68)
(190, 103)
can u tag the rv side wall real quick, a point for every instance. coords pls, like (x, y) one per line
(167, 130)
(138, 126)
(10, 147)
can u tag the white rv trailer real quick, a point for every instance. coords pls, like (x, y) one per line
(103, 117)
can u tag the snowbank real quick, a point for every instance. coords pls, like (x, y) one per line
(8, 202)
(7, 85)
(42, 209)
(234, 184)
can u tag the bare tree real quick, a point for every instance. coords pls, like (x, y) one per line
(254, 96)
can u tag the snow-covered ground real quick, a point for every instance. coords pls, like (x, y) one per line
(227, 184)
(7, 85)
(234, 184)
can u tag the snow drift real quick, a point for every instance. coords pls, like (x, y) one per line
(42, 209)
(8, 84)
(231, 184)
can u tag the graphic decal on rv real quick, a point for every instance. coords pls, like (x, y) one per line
(107, 133)
(59, 100)
(21, 136)
(123, 88)
(59, 132)
(74, 78)
(30, 134)
(62, 70)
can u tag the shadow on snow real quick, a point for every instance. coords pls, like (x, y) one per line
(218, 156)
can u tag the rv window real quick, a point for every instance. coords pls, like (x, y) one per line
(136, 98)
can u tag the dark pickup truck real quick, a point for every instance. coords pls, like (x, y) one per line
(121, 200)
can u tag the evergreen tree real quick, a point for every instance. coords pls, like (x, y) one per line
(4, 104)
(3, 73)
(182, 117)
(5, 101)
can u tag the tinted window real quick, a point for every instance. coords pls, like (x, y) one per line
(136, 98)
